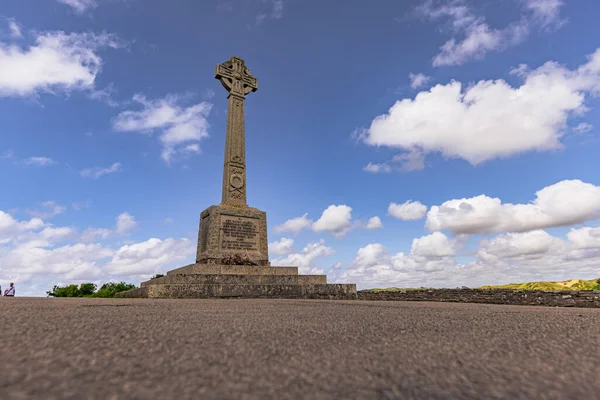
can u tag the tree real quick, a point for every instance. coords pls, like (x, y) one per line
(89, 290)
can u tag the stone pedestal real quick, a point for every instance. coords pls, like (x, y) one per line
(228, 231)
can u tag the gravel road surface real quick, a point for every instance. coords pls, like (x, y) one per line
(294, 349)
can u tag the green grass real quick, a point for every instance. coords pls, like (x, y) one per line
(573, 284)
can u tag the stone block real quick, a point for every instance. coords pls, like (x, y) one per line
(193, 291)
(228, 279)
(228, 230)
(233, 270)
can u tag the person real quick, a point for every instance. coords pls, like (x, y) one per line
(10, 292)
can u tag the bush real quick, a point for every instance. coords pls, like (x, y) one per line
(157, 276)
(111, 288)
(89, 290)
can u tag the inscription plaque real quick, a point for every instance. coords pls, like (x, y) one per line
(239, 234)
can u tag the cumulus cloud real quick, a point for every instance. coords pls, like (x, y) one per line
(418, 80)
(37, 256)
(489, 119)
(375, 265)
(505, 258)
(335, 220)
(149, 256)
(375, 168)
(125, 223)
(305, 260)
(10, 228)
(282, 246)
(294, 225)
(374, 223)
(181, 128)
(56, 62)
(97, 172)
(407, 211)
(474, 38)
(565, 203)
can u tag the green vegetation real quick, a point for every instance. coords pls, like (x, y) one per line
(89, 290)
(157, 276)
(573, 284)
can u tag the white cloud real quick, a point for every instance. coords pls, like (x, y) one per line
(56, 62)
(413, 160)
(283, 246)
(407, 211)
(294, 225)
(80, 6)
(585, 238)
(9, 227)
(178, 125)
(374, 265)
(335, 220)
(92, 234)
(97, 172)
(545, 12)
(37, 256)
(275, 13)
(51, 209)
(583, 127)
(125, 224)
(149, 256)
(374, 223)
(305, 259)
(15, 28)
(418, 80)
(39, 161)
(370, 167)
(474, 38)
(489, 119)
(564, 203)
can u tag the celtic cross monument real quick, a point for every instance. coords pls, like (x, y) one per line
(232, 259)
(232, 229)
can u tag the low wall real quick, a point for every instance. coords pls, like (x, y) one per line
(555, 298)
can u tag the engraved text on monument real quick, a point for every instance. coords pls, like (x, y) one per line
(239, 234)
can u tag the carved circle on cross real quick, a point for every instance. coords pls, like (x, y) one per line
(236, 181)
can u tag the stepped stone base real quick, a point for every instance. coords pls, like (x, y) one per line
(243, 281)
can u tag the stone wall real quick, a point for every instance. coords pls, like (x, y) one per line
(587, 298)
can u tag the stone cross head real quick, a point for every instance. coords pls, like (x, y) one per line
(235, 77)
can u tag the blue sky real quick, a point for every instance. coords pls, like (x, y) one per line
(467, 128)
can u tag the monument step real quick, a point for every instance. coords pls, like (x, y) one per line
(198, 291)
(216, 269)
(214, 279)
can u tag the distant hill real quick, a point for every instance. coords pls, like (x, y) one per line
(573, 284)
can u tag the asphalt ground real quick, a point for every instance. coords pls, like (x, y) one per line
(295, 349)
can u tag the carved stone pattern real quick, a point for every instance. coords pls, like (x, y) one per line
(237, 171)
(236, 194)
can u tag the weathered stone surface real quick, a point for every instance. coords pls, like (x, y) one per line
(194, 291)
(213, 279)
(238, 81)
(228, 231)
(233, 270)
(554, 298)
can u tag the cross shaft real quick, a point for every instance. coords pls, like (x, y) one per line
(238, 81)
